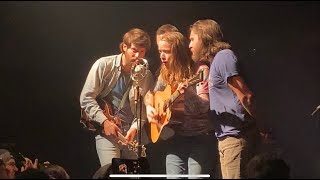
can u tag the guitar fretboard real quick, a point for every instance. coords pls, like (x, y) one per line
(176, 94)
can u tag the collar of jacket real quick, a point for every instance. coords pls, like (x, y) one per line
(118, 61)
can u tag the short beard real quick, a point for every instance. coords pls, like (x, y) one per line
(195, 57)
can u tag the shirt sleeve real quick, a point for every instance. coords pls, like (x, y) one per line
(226, 64)
(159, 85)
(91, 89)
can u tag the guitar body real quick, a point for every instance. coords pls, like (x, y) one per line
(95, 126)
(160, 104)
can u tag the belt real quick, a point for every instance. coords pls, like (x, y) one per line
(227, 136)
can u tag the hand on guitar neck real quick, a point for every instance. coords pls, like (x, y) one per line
(182, 86)
(111, 129)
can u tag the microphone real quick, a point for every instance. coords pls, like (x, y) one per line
(315, 111)
(139, 70)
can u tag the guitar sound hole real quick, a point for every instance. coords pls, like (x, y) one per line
(165, 106)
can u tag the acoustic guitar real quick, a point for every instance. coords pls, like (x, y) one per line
(162, 103)
(95, 127)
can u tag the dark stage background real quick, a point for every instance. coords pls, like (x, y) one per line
(47, 49)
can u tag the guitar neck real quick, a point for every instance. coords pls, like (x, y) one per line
(121, 137)
(174, 96)
(176, 93)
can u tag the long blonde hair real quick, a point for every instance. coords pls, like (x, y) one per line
(181, 64)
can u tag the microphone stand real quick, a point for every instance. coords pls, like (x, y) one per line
(138, 73)
(137, 101)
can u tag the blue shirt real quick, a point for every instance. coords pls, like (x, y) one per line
(115, 97)
(226, 111)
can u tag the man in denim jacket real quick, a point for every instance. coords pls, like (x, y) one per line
(109, 79)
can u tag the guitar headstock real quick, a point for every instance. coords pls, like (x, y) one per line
(134, 147)
(197, 78)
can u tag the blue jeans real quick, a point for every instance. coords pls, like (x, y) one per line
(191, 155)
(107, 149)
